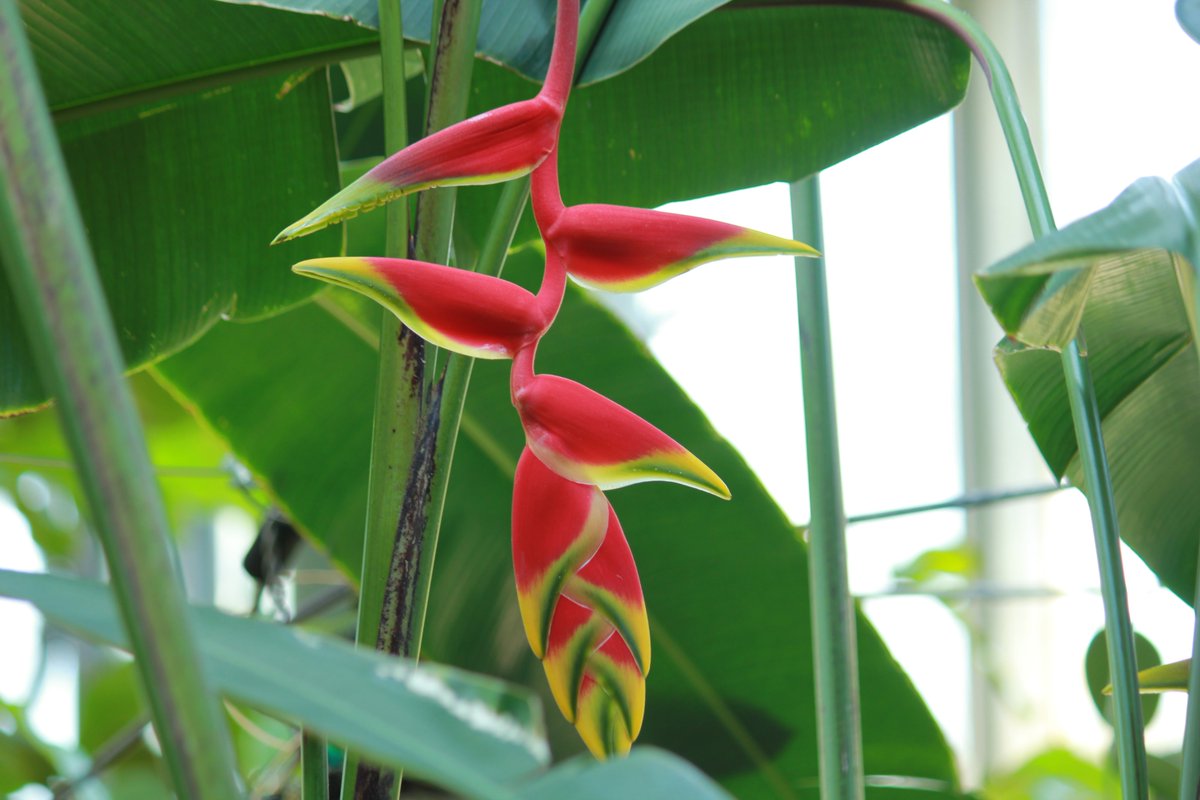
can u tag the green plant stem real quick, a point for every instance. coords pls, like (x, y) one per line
(397, 392)
(53, 277)
(403, 524)
(835, 650)
(1189, 777)
(591, 19)
(314, 767)
(968, 500)
(1127, 709)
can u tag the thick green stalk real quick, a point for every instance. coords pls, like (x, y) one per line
(402, 523)
(1131, 748)
(53, 277)
(398, 387)
(1189, 778)
(314, 767)
(835, 649)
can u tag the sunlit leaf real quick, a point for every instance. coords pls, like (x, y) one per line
(1125, 276)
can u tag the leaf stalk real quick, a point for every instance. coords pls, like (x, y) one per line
(53, 277)
(1131, 748)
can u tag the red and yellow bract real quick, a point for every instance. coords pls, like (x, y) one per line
(581, 602)
(476, 315)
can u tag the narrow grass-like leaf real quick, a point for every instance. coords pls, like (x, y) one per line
(468, 733)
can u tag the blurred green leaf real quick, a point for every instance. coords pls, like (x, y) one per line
(21, 763)
(726, 583)
(110, 700)
(1099, 684)
(1054, 774)
(1188, 12)
(189, 459)
(647, 774)
(1125, 276)
(936, 566)
(364, 78)
(455, 729)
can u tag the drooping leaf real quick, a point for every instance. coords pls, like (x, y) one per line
(725, 583)
(1125, 277)
(461, 731)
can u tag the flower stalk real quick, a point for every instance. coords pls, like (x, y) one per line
(578, 589)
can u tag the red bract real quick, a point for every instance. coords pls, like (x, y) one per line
(494, 146)
(581, 603)
(585, 437)
(473, 314)
(625, 249)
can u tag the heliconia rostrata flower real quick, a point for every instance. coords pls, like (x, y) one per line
(577, 586)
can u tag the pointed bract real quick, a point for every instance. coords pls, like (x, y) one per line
(494, 146)
(581, 602)
(585, 437)
(624, 249)
(567, 540)
(476, 315)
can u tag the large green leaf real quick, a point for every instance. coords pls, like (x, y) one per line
(104, 53)
(180, 200)
(474, 735)
(726, 583)
(517, 33)
(465, 732)
(1125, 276)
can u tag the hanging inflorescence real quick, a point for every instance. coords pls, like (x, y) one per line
(577, 585)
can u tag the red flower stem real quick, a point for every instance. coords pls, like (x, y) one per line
(545, 195)
(561, 72)
(522, 369)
